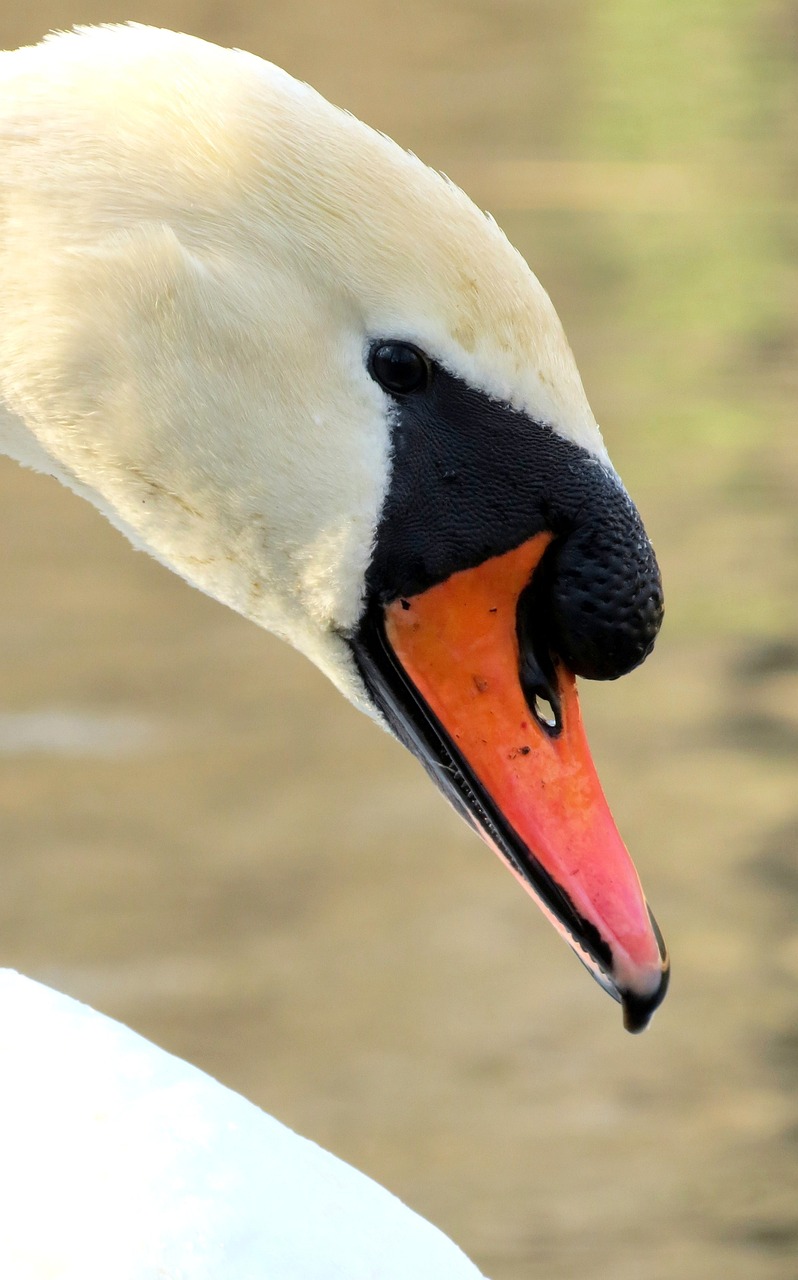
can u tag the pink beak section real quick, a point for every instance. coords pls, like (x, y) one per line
(457, 644)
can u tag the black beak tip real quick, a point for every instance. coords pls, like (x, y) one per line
(638, 1010)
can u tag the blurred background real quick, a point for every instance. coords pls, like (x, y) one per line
(200, 838)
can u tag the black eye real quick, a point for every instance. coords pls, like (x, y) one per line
(399, 368)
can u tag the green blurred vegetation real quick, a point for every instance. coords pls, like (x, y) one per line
(699, 296)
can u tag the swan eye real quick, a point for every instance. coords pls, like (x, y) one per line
(399, 368)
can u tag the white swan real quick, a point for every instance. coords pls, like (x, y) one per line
(120, 1162)
(306, 373)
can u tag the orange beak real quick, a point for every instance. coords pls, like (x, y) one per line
(448, 670)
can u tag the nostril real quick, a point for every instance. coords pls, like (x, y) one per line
(536, 668)
(547, 714)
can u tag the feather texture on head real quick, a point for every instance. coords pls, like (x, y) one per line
(195, 251)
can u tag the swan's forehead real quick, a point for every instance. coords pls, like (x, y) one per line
(418, 260)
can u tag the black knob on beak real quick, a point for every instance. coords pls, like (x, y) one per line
(595, 601)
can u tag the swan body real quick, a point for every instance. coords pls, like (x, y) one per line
(120, 1162)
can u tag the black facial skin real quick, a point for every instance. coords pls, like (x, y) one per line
(472, 478)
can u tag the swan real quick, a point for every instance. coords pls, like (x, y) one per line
(306, 373)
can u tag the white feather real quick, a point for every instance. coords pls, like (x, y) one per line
(120, 1162)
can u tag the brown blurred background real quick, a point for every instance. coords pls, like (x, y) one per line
(202, 839)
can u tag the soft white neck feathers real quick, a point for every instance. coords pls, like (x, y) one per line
(195, 251)
(120, 1162)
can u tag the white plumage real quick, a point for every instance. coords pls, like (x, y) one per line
(120, 1162)
(195, 250)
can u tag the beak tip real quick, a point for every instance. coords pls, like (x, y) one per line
(638, 1009)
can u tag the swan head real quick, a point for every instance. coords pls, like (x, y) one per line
(305, 372)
